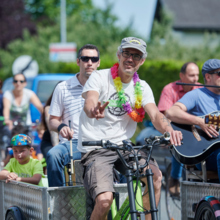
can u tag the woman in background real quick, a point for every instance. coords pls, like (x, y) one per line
(17, 101)
(50, 138)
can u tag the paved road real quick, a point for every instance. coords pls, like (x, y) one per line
(162, 209)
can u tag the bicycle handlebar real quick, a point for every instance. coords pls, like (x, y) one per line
(163, 139)
(127, 146)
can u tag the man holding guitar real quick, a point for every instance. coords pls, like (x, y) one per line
(170, 94)
(200, 102)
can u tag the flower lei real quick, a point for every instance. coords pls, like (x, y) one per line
(138, 113)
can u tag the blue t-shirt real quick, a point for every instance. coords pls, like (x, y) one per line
(201, 101)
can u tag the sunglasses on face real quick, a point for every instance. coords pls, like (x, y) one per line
(16, 81)
(86, 59)
(218, 72)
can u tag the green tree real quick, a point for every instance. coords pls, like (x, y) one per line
(49, 9)
(13, 21)
(88, 26)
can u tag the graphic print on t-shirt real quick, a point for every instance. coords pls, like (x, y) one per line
(115, 105)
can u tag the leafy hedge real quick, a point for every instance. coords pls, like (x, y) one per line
(157, 73)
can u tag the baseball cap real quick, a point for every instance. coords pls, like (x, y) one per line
(133, 42)
(210, 65)
(21, 140)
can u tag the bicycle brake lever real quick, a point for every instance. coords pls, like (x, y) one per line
(127, 145)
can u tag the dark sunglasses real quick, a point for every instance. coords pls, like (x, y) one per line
(86, 59)
(16, 81)
(218, 72)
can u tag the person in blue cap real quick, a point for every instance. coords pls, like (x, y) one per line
(22, 167)
(199, 102)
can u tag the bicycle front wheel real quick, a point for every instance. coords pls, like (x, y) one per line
(173, 205)
(205, 212)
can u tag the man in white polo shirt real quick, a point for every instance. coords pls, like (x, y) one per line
(66, 105)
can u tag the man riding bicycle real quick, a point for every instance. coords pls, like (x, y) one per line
(115, 100)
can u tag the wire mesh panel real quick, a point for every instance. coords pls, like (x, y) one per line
(67, 203)
(192, 192)
(56, 203)
(73, 203)
(30, 199)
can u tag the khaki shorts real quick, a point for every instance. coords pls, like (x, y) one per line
(98, 170)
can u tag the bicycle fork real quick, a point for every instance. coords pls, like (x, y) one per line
(133, 211)
(153, 208)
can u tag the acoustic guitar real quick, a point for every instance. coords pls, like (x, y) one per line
(197, 145)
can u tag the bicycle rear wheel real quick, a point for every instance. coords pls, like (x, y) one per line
(205, 212)
(173, 205)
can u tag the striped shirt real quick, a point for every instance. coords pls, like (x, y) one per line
(67, 103)
(171, 93)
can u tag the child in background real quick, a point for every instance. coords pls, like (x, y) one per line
(22, 167)
(16, 130)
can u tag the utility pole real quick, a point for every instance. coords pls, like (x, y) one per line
(63, 21)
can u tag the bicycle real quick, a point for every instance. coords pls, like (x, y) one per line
(133, 204)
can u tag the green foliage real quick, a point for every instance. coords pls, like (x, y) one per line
(79, 30)
(49, 9)
(87, 24)
(158, 73)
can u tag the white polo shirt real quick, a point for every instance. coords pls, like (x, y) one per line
(67, 102)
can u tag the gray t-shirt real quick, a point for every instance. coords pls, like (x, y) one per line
(22, 112)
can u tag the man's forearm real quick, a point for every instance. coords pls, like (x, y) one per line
(161, 123)
(54, 138)
(54, 123)
(176, 114)
(88, 107)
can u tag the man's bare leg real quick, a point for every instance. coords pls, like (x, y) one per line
(102, 206)
(157, 178)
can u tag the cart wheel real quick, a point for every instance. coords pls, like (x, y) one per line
(11, 216)
(205, 212)
(14, 213)
(173, 205)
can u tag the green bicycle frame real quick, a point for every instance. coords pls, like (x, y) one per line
(123, 212)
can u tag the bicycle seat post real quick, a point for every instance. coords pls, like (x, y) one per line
(133, 211)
